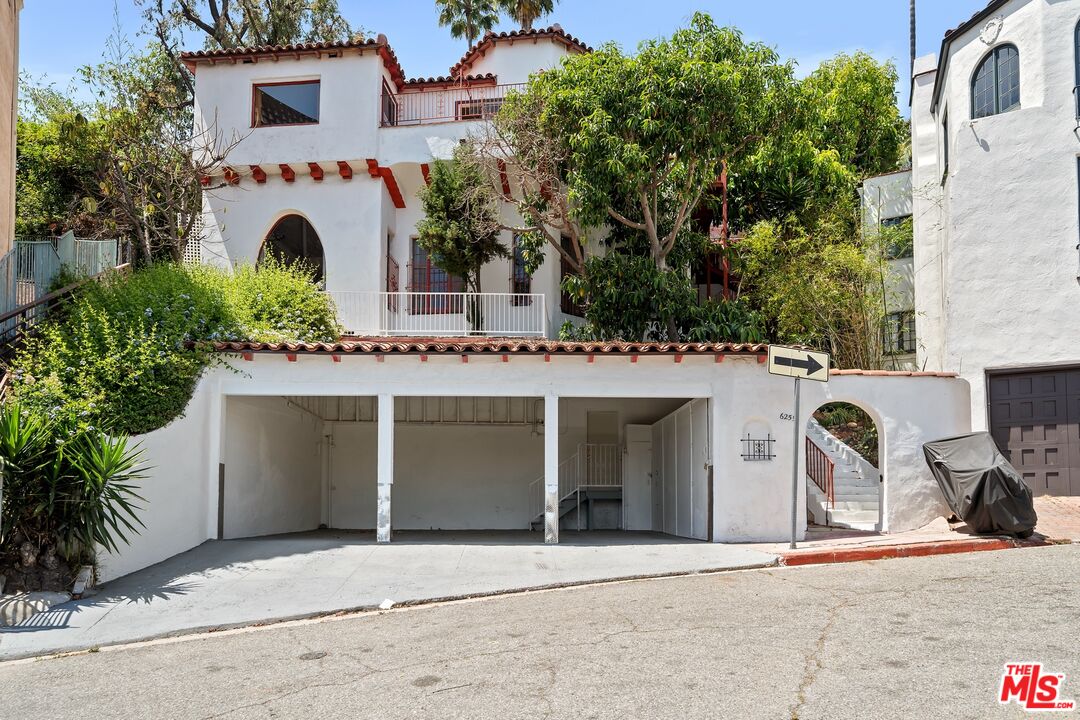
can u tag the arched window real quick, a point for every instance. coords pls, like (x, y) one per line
(996, 85)
(292, 239)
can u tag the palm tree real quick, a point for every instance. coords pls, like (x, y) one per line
(467, 18)
(526, 12)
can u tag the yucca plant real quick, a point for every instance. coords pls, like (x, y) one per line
(74, 489)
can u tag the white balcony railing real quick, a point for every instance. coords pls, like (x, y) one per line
(457, 103)
(424, 314)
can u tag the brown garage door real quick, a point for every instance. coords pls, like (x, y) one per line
(1035, 419)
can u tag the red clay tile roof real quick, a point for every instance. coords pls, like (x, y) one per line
(449, 80)
(454, 346)
(193, 58)
(491, 38)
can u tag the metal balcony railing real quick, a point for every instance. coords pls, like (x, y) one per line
(441, 314)
(444, 105)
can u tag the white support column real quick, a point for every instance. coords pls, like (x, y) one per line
(551, 469)
(386, 466)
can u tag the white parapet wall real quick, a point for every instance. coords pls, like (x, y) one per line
(242, 420)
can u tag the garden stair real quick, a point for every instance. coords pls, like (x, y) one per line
(856, 486)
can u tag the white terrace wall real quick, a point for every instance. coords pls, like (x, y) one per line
(751, 500)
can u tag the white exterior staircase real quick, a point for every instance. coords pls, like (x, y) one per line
(856, 485)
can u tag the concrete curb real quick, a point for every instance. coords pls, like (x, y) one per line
(888, 552)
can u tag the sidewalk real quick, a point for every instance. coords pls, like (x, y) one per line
(832, 545)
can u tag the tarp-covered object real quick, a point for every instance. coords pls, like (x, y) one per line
(980, 485)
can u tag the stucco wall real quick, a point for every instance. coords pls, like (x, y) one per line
(751, 500)
(1006, 253)
(175, 492)
(273, 468)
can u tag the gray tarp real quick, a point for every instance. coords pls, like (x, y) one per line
(980, 485)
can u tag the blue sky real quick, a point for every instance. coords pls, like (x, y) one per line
(58, 36)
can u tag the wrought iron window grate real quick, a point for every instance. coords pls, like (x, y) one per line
(756, 449)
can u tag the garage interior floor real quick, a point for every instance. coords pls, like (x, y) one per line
(236, 582)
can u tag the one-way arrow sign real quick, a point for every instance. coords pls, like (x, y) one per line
(798, 363)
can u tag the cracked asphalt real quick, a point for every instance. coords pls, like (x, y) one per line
(912, 638)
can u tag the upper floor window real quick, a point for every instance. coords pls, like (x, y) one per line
(996, 85)
(520, 280)
(286, 103)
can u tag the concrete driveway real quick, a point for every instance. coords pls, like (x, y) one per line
(237, 582)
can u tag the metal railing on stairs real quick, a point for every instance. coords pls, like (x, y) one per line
(594, 465)
(822, 470)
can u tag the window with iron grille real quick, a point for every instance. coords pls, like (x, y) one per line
(431, 283)
(520, 280)
(899, 333)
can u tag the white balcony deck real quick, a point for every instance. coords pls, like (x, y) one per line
(437, 314)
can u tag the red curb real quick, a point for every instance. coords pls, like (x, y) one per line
(888, 552)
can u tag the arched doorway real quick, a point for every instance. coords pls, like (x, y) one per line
(843, 479)
(293, 239)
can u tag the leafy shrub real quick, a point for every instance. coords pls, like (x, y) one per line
(67, 488)
(853, 426)
(126, 354)
(627, 297)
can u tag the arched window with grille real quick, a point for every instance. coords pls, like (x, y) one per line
(995, 87)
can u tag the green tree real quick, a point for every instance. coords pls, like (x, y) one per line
(467, 19)
(527, 12)
(55, 170)
(851, 105)
(461, 227)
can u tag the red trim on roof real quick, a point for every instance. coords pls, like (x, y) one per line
(376, 171)
(425, 170)
(893, 373)
(504, 179)
(258, 173)
(316, 171)
(344, 170)
(287, 173)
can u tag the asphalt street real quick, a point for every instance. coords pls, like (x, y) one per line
(912, 638)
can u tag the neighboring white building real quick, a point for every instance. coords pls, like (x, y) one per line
(996, 153)
(886, 202)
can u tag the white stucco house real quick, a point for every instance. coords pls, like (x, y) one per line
(415, 420)
(996, 155)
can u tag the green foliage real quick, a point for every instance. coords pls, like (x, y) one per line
(460, 228)
(627, 297)
(467, 19)
(851, 103)
(247, 22)
(897, 241)
(55, 166)
(815, 289)
(72, 488)
(853, 427)
(527, 12)
(647, 135)
(127, 352)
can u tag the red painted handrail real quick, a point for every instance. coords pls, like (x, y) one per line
(820, 468)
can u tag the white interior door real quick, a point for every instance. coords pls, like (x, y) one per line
(680, 460)
(637, 479)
